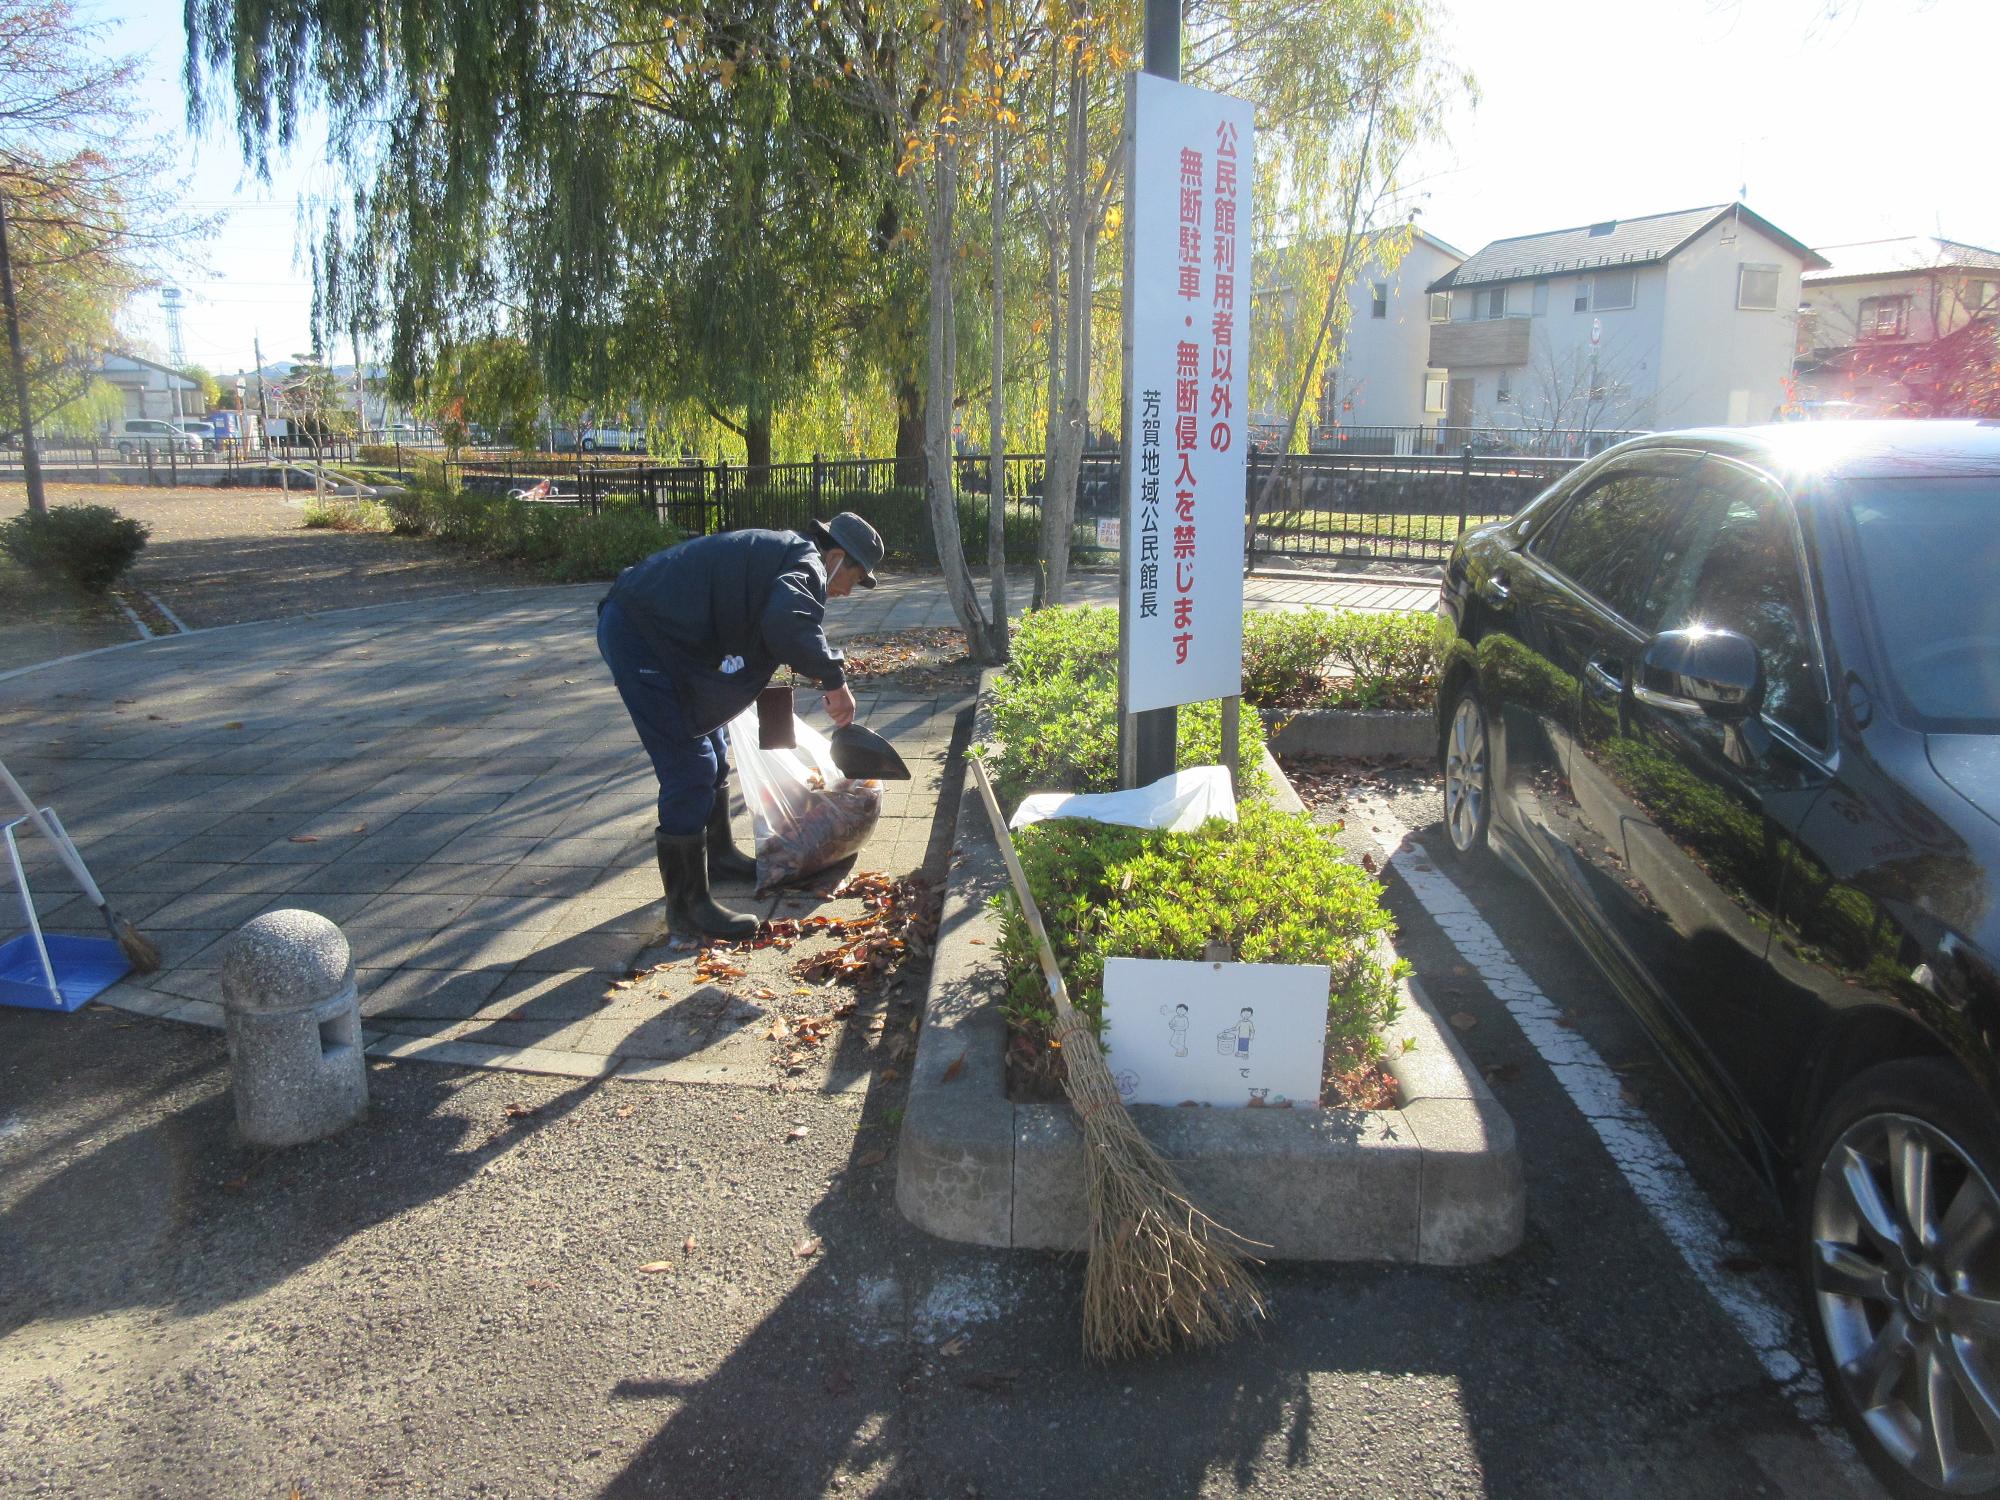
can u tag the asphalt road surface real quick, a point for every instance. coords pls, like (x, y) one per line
(449, 1299)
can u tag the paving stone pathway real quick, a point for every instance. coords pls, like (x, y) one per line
(455, 782)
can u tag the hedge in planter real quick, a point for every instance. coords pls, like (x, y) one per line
(1272, 888)
(1343, 659)
(1055, 710)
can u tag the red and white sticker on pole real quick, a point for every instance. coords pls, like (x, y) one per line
(1187, 323)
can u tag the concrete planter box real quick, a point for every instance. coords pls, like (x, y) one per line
(1350, 731)
(1437, 1181)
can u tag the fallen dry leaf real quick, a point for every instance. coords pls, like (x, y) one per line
(654, 1267)
(953, 1347)
(687, 1246)
(957, 1066)
(871, 1158)
(1464, 1020)
(305, 838)
(519, 1111)
(807, 1248)
(625, 1111)
(542, 1284)
(798, 1133)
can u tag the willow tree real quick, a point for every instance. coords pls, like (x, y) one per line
(664, 200)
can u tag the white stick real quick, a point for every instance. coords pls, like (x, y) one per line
(65, 850)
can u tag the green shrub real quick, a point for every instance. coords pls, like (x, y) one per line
(1055, 711)
(1272, 888)
(90, 546)
(1395, 659)
(347, 515)
(564, 544)
(376, 455)
(1343, 659)
(1286, 657)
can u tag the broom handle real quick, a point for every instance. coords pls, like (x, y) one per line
(1058, 991)
(64, 849)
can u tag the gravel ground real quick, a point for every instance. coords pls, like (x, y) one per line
(222, 556)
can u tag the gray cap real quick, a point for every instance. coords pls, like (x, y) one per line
(854, 536)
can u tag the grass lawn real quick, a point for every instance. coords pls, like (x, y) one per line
(1371, 525)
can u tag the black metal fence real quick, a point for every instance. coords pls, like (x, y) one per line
(1352, 506)
(1406, 508)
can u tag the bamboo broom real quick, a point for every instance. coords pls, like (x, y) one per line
(137, 947)
(1161, 1273)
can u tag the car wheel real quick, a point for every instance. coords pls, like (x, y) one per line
(1468, 775)
(1899, 1249)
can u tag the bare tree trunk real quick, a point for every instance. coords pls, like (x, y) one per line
(996, 404)
(1059, 483)
(909, 431)
(939, 402)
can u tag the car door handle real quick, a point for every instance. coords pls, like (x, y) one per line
(1495, 588)
(1605, 679)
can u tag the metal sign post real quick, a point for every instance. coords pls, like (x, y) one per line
(1189, 167)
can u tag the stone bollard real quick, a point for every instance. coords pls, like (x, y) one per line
(294, 1026)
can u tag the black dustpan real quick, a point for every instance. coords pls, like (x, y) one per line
(865, 756)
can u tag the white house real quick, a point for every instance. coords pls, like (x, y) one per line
(1878, 325)
(152, 390)
(1672, 320)
(1381, 375)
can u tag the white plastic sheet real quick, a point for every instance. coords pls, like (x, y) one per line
(1178, 803)
(806, 815)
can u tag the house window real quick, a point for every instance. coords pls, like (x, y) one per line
(1440, 307)
(1757, 287)
(1611, 290)
(1434, 389)
(1493, 302)
(1979, 296)
(1379, 308)
(1541, 299)
(1884, 317)
(1506, 387)
(1582, 303)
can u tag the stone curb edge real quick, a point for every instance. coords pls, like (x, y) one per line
(1435, 1182)
(1351, 731)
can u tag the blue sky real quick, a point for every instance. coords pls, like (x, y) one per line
(1846, 119)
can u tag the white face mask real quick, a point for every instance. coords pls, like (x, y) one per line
(732, 664)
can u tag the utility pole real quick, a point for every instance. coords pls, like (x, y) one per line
(31, 461)
(1156, 731)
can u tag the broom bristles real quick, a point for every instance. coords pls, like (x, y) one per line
(138, 949)
(1161, 1273)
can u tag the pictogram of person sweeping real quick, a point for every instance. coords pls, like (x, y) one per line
(1177, 1028)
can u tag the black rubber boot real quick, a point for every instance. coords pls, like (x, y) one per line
(684, 873)
(725, 860)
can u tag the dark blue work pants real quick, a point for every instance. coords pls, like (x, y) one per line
(693, 769)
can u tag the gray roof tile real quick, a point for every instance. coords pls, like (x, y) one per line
(1614, 242)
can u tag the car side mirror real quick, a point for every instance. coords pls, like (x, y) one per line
(1702, 671)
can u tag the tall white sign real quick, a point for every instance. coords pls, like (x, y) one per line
(1187, 357)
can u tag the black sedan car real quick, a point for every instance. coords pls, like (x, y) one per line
(1731, 699)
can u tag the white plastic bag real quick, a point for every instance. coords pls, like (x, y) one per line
(1179, 802)
(805, 814)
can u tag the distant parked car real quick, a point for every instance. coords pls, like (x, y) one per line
(151, 435)
(610, 440)
(1731, 699)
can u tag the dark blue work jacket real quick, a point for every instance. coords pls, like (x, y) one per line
(757, 596)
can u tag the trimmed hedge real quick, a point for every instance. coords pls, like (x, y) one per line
(1272, 888)
(1344, 659)
(1055, 710)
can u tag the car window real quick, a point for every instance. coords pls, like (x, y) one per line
(1733, 564)
(1607, 541)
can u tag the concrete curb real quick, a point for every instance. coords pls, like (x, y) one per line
(1350, 731)
(1436, 1182)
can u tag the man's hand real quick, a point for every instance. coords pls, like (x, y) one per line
(840, 705)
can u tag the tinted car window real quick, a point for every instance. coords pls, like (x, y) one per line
(1732, 565)
(1928, 552)
(1608, 540)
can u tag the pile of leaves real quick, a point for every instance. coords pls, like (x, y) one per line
(900, 921)
(920, 661)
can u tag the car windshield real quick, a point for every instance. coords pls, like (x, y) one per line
(1928, 551)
